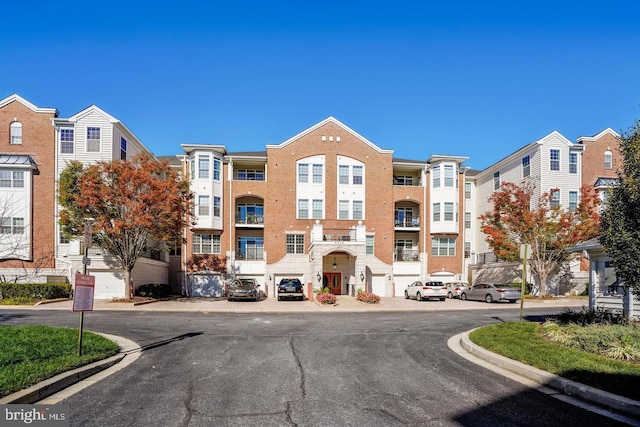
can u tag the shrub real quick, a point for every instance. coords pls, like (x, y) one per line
(368, 297)
(35, 290)
(324, 290)
(326, 298)
(154, 290)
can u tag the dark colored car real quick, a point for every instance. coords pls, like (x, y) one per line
(243, 289)
(290, 288)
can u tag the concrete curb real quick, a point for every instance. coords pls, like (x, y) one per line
(583, 392)
(55, 384)
(79, 377)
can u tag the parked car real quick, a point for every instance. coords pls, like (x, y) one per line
(290, 288)
(454, 289)
(243, 289)
(491, 293)
(426, 290)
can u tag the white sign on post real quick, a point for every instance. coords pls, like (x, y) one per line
(525, 249)
(83, 292)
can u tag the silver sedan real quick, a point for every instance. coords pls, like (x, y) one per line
(490, 293)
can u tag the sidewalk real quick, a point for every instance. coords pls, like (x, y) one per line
(272, 305)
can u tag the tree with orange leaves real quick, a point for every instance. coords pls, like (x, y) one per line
(132, 205)
(518, 218)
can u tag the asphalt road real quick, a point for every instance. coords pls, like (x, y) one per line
(311, 369)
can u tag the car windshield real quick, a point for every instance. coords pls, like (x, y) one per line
(242, 283)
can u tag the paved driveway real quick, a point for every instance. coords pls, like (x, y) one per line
(312, 369)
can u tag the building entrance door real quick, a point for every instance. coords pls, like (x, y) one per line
(333, 281)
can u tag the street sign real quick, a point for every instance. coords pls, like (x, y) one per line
(83, 292)
(87, 234)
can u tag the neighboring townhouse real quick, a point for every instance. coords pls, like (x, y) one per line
(89, 136)
(550, 163)
(331, 208)
(601, 160)
(27, 191)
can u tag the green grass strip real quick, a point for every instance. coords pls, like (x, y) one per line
(34, 353)
(521, 341)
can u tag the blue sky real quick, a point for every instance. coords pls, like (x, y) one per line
(467, 78)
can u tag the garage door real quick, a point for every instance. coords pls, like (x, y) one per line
(109, 285)
(401, 283)
(378, 285)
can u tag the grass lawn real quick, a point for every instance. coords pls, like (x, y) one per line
(34, 353)
(524, 342)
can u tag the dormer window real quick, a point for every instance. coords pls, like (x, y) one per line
(15, 130)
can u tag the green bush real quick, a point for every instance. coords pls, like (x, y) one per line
(35, 290)
(154, 290)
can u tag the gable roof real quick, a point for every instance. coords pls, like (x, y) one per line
(599, 135)
(15, 97)
(532, 146)
(335, 121)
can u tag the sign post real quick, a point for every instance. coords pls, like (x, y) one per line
(84, 286)
(525, 253)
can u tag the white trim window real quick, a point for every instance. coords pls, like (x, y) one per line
(317, 205)
(123, 149)
(357, 209)
(11, 178)
(206, 244)
(357, 175)
(203, 205)
(608, 159)
(443, 246)
(303, 208)
(216, 206)
(448, 176)
(435, 172)
(343, 174)
(573, 162)
(526, 166)
(66, 140)
(554, 159)
(343, 209)
(11, 225)
(93, 140)
(496, 180)
(573, 201)
(436, 212)
(303, 173)
(555, 198)
(217, 167)
(15, 129)
(203, 167)
(318, 173)
(295, 243)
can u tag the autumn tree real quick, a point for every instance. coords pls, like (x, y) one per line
(548, 228)
(620, 228)
(132, 206)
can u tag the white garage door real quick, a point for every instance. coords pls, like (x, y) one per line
(378, 286)
(401, 283)
(109, 285)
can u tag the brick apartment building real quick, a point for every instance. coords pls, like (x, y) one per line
(327, 205)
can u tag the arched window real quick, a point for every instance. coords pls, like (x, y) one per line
(608, 160)
(15, 131)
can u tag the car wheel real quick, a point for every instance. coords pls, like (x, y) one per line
(463, 296)
(279, 299)
(512, 301)
(488, 298)
(442, 299)
(406, 295)
(450, 295)
(418, 297)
